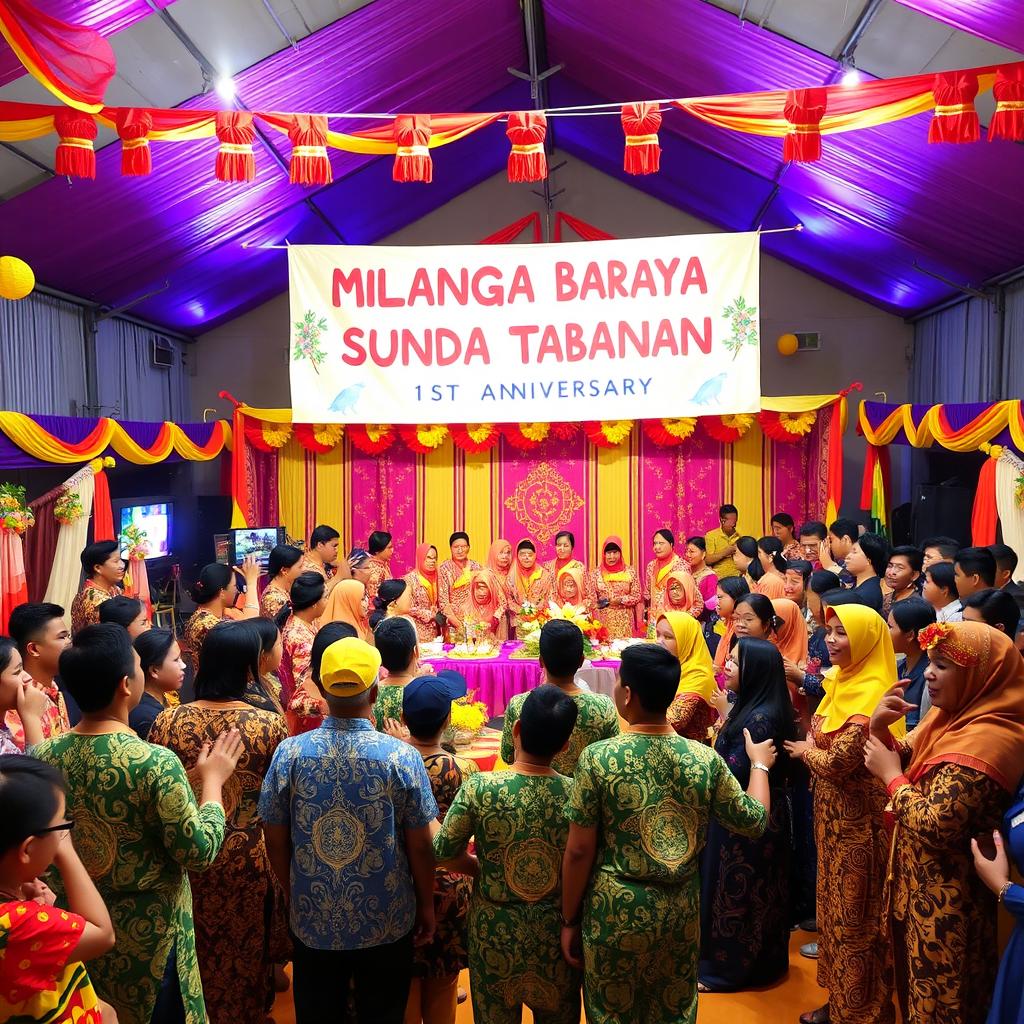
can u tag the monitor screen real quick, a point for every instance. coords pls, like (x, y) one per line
(155, 521)
(255, 540)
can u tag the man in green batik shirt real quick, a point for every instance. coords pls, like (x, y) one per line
(561, 655)
(640, 809)
(517, 818)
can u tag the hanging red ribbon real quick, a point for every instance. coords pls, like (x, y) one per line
(102, 512)
(133, 128)
(984, 516)
(804, 110)
(309, 163)
(955, 119)
(235, 160)
(1008, 120)
(412, 158)
(76, 155)
(641, 123)
(527, 160)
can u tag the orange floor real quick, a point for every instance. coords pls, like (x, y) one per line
(778, 1005)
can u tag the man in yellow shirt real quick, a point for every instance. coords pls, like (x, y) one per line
(721, 543)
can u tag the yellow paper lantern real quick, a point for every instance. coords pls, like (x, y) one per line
(787, 344)
(16, 278)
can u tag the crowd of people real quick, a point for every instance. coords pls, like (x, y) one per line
(825, 732)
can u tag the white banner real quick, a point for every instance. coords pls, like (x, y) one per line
(624, 329)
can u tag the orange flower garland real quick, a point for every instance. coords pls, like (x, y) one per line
(475, 437)
(670, 432)
(607, 433)
(319, 437)
(787, 427)
(564, 431)
(422, 438)
(526, 435)
(727, 429)
(372, 438)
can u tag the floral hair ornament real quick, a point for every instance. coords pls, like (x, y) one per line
(941, 638)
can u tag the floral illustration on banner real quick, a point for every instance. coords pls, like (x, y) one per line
(743, 321)
(68, 507)
(307, 339)
(544, 502)
(14, 511)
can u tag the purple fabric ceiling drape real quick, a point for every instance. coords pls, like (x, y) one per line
(999, 21)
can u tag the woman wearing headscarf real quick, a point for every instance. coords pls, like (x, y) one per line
(790, 637)
(682, 595)
(854, 961)
(349, 603)
(454, 576)
(617, 589)
(949, 781)
(423, 587)
(570, 587)
(530, 583)
(729, 591)
(565, 558)
(692, 713)
(485, 610)
(664, 562)
(744, 904)
(499, 561)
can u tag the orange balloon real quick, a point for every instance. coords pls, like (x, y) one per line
(16, 278)
(787, 344)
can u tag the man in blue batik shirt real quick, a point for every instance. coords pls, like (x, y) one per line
(346, 813)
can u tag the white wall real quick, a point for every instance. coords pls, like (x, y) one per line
(248, 356)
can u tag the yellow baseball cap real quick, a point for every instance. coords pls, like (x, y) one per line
(349, 667)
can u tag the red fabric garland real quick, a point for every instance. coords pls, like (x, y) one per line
(412, 160)
(462, 440)
(955, 119)
(359, 437)
(641, 123)
(309, 164)
(804, 110)
(102, 512)
(235, 160)
(984, 516)
(527, 160)
(75, 156)
(133, 128)
(1008, 120)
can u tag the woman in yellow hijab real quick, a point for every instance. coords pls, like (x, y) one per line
(849, 827)
(692, 712)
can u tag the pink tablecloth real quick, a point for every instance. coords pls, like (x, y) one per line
(497, 680)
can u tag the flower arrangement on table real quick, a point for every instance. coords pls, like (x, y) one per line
(594, 633)
(15, 514)
(68, 507)
(476, 643)
(134, 542)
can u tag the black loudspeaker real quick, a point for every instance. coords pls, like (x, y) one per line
(943, 510)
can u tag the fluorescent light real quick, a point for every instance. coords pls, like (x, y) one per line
(226, 88)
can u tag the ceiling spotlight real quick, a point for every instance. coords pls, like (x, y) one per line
(850, 75)
(226, 88)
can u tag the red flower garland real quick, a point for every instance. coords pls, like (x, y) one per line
(774, 426)
(254, 435)
(360, 437)
(660, 435)
(596, 435)
(718, 430)
(410, 434)
(464, 441)
(515, 437)
(564, 431)
(305, 436)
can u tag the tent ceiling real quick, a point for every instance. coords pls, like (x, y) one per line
(878, 202)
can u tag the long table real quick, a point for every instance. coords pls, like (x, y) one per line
(496, 681)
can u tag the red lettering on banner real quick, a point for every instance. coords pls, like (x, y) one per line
(356, 355)
(575, 348)
(353, 281)
(593, 282)
(641, 344)
(694, 276)
(665, 339)
(441, 336)
(384, 300)
(565, 282)
(421, 288)
(477, 347)
(703, 341)
(616, 279)
(643, 279)
(446, 283)
(492, 295)
(602, 342)
(523, 334)
(667, 273)
(521, 285)
(549, 344)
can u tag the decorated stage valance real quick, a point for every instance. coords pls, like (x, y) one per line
(28, 442)
(960, 428)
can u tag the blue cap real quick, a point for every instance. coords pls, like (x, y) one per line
(433, 694)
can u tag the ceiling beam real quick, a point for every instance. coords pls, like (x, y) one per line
(844, 51)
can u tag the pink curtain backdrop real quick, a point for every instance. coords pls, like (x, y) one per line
(384, 498)
(261, 476)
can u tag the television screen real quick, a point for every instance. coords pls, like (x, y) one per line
(222, 548)
(255, 540)
(154, 521)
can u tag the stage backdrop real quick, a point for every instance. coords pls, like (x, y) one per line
(631, 490)
(637, 328)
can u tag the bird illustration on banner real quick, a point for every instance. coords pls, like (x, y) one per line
(346, 399)
(710, 390)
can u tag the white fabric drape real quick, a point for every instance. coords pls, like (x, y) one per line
(1011, 517)
(67, 565)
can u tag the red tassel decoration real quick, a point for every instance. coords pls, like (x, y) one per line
(955, 119)
(75, 156)
(1008, 120)
(527, 161)
(235, 160)
(412, 158)
(804, 110)
(309, 164)
(641, 123)
(133, 128)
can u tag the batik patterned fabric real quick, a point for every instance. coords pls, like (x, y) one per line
(596, 720)
(515, 957)
(298, 693)
(54, 722)
(656, 580)
(855, 959)
(85, 607)
(308, 565)
(388, 704)
(447, 954)
(651, 797)
(38, 982)
(347, 793)
(272, 600)
(238, 905)
(533, 588)
(692, 717)
(378, 571)
(453, 586)
(622, 621)
(139, 831)
(424, 607)
(200, 623)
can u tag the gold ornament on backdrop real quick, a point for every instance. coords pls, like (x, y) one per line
(16, 278)
(787, 344)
